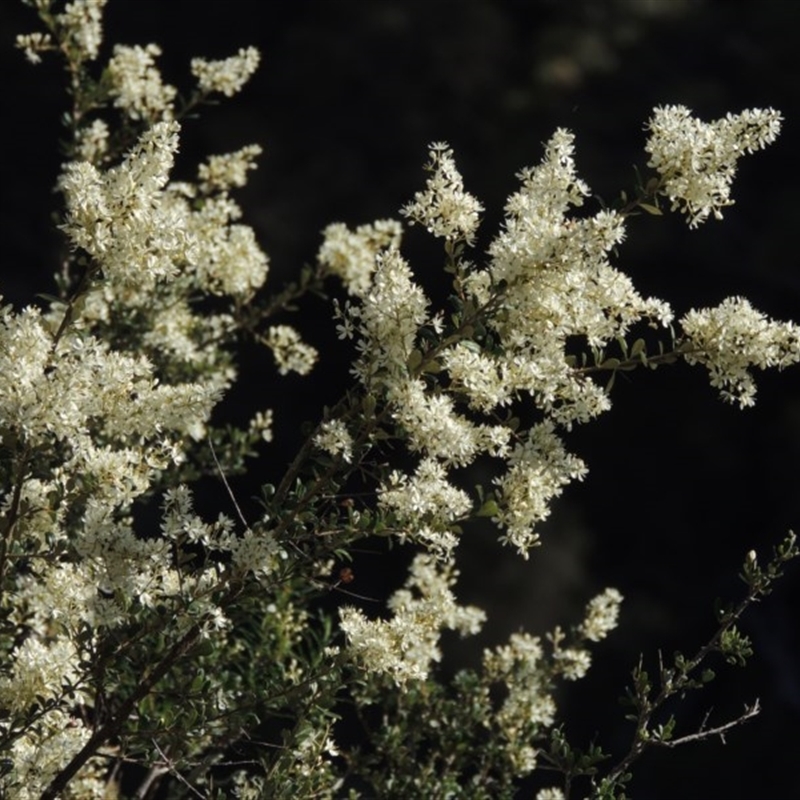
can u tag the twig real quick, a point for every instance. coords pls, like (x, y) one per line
(227, 485)
(706, 733)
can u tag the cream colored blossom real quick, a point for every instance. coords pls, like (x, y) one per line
(261, 424)
(352, 254)
(732, 339)
(34, 44)
(434, 428)
(426, 505)
(538, 469)
(228, 171)
(559, 284)
(697, 160)
(92, 142)
(392, 312)
(291, 353)
(41, 752)
(444, 208)
(137, 85)
(521, 667)
(41, 671)
(258, 553)
(602, 613)
(406, 645)
(227, 76)
(82, 26)
(334, 438)
(550, 793)
(116, 215)
(573, 662)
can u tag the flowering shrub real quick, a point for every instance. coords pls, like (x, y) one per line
(193, 658)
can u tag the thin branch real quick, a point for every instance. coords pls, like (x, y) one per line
(704, 733)
(227, 485)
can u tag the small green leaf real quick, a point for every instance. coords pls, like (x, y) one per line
(414, 360)
(650, 209)
(488, 509)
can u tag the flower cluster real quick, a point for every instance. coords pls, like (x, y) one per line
(137, 85)
(119, 216)
(538, 469)
(731, 339)
(334, 438)
(351, 255)
(291, 353)
(406, 645)
(227, 76)
(528, 676)
(444, 208)
(697, 160)
(227, 171)
(426, 506)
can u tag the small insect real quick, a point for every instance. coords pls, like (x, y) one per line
(346, 575)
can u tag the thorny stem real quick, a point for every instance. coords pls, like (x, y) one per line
(671, 684)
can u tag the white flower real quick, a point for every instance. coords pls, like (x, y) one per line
(227, 76)
(573, 662)
(393, 311)
(334, 438)
(697, 160)
(434, 428)
(444, 208)
(521, 668)
(352, 254)
(559, 284)
(40, 672)
(731, 339)
(426, 505)
(406, 645)
(262, 424)
(118, 218)
(291, 353)
(602, 613)
(82, 24)
(229, 170)
(538, 470)
(137, 83)
(551, 793)
(92, 142)
(33, 44)
(42, 751)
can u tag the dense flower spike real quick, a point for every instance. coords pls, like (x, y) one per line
(227, 76)
(733, 338)
(697, 160)
(137, 85)
(444, 208)
(407, 645)
(352, 255)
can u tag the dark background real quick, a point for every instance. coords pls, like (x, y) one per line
(681, 486)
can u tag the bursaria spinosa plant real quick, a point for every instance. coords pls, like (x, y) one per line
(192, 657)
